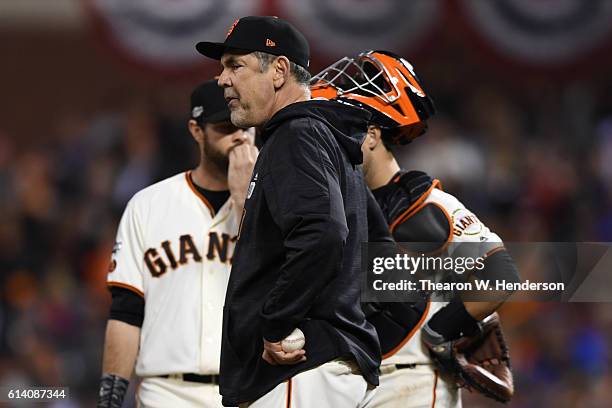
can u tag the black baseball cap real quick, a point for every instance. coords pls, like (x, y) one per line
(261, 33)
(208, 103)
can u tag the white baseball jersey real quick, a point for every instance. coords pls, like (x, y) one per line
(173, 250)
(466, 227)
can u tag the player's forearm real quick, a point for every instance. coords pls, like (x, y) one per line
(498, 266)
(238, 204)
(480, 310)
(120, 348)
(241, 163)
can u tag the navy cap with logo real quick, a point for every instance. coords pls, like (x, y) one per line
(261, 33)
(208, 103)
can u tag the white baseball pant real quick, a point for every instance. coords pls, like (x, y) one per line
(418, 387)
(158, 392)
(335, 384)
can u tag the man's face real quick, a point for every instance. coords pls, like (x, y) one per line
(220, 138)
(248, 91)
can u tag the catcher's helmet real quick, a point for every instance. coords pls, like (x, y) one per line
(383, 83)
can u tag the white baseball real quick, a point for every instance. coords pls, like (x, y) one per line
(294, 341)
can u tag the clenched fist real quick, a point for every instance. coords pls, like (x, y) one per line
(241, 162)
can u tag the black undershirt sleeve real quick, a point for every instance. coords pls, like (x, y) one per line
(127, 306)
(499, 266)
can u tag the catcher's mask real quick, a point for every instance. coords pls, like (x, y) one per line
(383, 83)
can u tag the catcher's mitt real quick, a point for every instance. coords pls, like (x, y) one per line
(480, 362)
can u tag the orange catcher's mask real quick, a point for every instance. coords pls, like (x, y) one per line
(384, 84)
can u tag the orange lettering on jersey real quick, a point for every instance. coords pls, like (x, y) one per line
(462, 224)
(188, 247)
(467, 221)
(217, 246)
(169, 254)
(155, 263)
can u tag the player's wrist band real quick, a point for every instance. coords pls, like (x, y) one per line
(112, 391)
(454, 321)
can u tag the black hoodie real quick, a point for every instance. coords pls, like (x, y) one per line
(297, 260)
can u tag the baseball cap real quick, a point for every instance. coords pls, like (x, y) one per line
(261, 33)
(208, 103)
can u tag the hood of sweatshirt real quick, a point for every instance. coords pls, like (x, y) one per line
(347, 123)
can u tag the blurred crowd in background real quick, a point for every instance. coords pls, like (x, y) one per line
(530, 155)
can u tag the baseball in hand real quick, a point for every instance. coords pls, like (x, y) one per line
(294, 341)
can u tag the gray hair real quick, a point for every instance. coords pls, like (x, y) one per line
(300, 74)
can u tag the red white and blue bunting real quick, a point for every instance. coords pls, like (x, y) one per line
(162, 33)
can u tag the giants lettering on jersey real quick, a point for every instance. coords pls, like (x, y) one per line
(159, 259)
(465, 222)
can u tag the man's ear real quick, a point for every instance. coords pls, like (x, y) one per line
(373, 137)
(282, 70)
(197, 132)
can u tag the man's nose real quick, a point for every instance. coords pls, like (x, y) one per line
(223, 80)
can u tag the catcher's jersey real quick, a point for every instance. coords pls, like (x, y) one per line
(173, 250)
(432, 213)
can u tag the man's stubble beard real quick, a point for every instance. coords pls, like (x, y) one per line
(215, 157)
(240, 120)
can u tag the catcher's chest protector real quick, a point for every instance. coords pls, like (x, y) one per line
(410, 219)
(414, 217)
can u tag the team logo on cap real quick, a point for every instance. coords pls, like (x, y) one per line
(197, 111)
(232, 27)
(270, 43)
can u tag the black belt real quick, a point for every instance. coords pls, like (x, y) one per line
(205, 379)
(400, 366)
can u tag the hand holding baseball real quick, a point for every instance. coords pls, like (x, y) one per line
(290, 350)
(294, 341)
